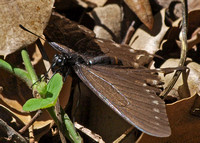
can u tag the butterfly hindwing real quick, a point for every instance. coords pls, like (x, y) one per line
(128, 96)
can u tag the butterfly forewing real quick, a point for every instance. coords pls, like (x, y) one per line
(127, 55)
(127, 96)
(82, 40)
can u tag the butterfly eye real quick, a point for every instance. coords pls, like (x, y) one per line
(89, 62)
(59, 61)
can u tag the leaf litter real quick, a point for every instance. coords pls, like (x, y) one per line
(161, 40)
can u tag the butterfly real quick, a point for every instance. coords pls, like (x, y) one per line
(114, 72)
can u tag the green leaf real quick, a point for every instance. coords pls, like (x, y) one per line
(20, 73)
(53, 89)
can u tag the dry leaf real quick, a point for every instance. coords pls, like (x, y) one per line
(192, 5)
(34, 15)
(91, 3)
(193, 29)
(185, 127)
(108, 21)
(149, 40)
(142, 9)
(193, 79)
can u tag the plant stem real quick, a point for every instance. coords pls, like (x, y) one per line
(69, 129)
(29, 67)
(184, 45)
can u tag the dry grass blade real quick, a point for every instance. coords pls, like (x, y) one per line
(124, 135)
(88, 132)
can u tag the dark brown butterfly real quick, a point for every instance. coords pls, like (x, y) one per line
(130, 92)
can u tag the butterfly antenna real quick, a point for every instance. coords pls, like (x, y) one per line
(25, 29)
(39, 80)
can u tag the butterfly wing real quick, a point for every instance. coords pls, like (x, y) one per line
(125, 53)
(126, 92)
(82, 41)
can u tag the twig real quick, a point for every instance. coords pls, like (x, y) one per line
(89, 133)
(12, 134)
(38, 113)
(184, 45)
(31, 135)
(129, 33)
(119, 139)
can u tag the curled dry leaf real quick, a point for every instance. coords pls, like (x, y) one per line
(192, 5)
(108, 21)
(193, 82)
(142, 9)
(149, 40)
(185, 127)
(34, 15)
(193, 29)
(193, 41)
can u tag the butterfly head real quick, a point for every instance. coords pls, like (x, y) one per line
(61, 64)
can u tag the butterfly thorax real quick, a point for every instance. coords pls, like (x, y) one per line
(63, 63)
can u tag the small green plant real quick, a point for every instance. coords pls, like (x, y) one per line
(48, 94)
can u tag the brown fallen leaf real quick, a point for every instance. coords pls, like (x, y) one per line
(108, 20)
(192, 5)
(34, 15)
(192, 79)
(142, 9)
(149, 40)
(171, 43)
(193, 30)
(185, 127)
